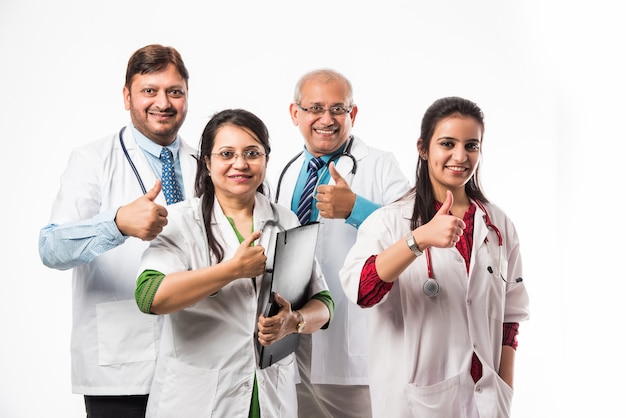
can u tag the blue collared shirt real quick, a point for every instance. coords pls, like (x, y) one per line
(152, 151)
(362, 207)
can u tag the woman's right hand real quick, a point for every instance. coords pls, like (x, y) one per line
(250, 259)
(443, 230)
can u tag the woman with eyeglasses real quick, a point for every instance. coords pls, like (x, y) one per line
(440, 275)
(206, 271)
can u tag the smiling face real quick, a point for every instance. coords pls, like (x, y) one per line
(234, 175)
(453, 155)
(323, 133)
(158, 104)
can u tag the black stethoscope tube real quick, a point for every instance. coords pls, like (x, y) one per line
(132, 165)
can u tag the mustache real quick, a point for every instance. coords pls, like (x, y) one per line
(168, 110)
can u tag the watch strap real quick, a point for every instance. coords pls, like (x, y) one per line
(410, 241)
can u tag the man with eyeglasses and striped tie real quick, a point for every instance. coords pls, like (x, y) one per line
(337, 180)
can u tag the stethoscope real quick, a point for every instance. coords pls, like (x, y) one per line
(431, 286)
(130, 161)
(335, 157)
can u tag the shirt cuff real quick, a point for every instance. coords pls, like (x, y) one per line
(361, 210)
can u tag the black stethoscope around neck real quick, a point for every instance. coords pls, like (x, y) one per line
(130, 161)
(431, 286)
(335, 157)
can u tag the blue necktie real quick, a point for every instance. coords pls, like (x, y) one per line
(306, 199)
(168, 178)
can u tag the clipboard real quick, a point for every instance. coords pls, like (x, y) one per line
(294, 255)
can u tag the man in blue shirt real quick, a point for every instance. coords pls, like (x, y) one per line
(101, 221)
(352, 181)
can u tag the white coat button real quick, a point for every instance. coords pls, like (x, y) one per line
(479, 389)
(469, 301)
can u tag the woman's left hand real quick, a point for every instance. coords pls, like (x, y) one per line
(276, 327)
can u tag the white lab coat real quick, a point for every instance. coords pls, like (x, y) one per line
(420, 347)
(339, 354)
(113, 344)
(209, 357)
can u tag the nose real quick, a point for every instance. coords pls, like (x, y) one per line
(326, 117)
(459, 154)
(162, 101)
(240, 161)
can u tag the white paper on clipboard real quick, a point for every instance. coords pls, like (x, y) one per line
(294, 255)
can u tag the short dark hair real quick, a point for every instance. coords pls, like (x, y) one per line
(154, 58)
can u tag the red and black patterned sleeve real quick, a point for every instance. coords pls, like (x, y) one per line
(509, 334)
(371, 288)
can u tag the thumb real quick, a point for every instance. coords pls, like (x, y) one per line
(154, 192)
(281, 300)
(445, 208)
(335, 174)
(253, 237)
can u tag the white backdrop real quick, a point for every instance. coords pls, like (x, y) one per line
(548, 75)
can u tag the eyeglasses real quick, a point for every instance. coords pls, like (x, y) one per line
(319, 110)
(249, 155)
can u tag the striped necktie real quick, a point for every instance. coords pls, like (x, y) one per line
(306, 199)
(168, 178)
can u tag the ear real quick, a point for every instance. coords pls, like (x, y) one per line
(420, 149)
(293, 112)
(126, 94)
(353, 113)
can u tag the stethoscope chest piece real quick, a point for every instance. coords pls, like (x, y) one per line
(431, 288)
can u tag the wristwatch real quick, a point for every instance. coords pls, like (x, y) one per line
(301, 324)
(410, 241)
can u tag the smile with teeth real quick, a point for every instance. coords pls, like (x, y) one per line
(163, 114)
(456, 168)
(325, 131)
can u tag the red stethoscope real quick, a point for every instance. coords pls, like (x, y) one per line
(431, 286)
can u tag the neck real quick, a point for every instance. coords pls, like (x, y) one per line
(236, 208)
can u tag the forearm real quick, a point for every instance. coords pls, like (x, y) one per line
(182, 289)
(507, 364)
(392, 261)
(315, 314)
(75, 243)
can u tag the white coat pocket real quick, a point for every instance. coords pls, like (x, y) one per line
(442, 399)
(186, 391)
(125, 334)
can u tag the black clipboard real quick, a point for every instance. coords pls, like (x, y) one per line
(294, 255)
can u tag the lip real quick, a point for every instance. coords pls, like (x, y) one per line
(457, 169)
(326, 131)
(162, 115)
(240, 178)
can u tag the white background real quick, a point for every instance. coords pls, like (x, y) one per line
(548, 75)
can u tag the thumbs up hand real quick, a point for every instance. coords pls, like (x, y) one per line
(250, 259)
(335, 201)
(443, 230)
(142, 218)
